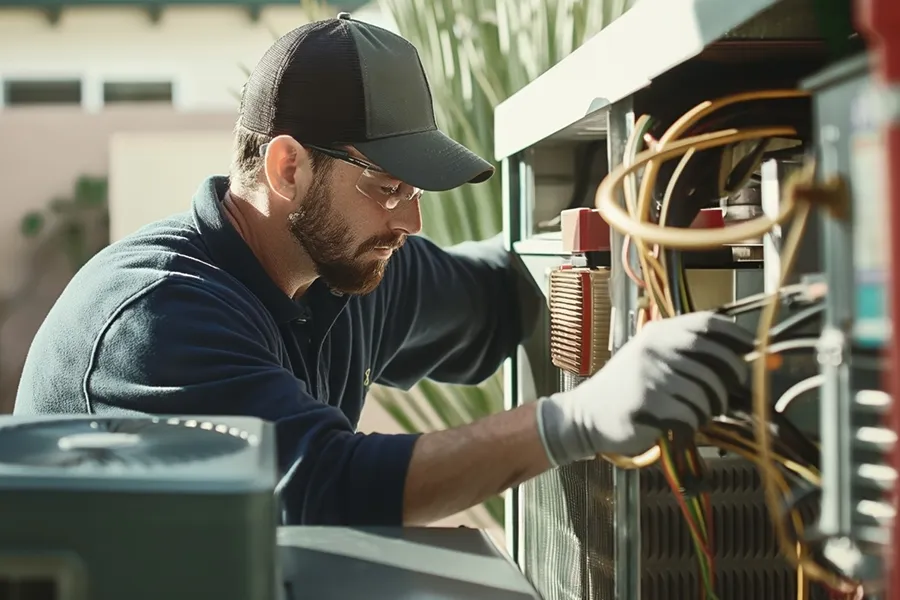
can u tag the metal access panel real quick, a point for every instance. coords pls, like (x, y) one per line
(590, 531)
(857, 476)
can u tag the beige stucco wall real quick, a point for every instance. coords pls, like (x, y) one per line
(43, 151)
(155, 174)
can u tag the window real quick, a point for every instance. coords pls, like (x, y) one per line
(24, 93)
(137, 91)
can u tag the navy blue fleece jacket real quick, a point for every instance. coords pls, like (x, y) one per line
(181, 318)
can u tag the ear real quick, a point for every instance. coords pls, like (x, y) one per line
(282, 162)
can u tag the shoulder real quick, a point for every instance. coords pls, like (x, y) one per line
(417, 253)
(159, 276)
(140, 304)
(422, 262)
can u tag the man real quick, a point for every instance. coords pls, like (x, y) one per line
(297, 282)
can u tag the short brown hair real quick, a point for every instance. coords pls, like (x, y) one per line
(246, 161)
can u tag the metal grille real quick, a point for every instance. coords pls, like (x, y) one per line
(568, 530)
(568, 535)
(875, 477)
(748, 564)
(579, 319)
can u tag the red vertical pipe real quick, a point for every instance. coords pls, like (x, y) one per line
(879, 22)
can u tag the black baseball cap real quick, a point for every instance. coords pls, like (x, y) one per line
(344, 82)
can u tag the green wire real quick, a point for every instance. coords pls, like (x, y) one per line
(669, 464)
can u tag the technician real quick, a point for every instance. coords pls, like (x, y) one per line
(298, 281)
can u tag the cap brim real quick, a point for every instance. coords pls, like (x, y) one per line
(428, 160)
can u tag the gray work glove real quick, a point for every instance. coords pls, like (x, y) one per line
(675, 373)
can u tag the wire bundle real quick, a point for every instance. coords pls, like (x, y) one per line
(786, 461)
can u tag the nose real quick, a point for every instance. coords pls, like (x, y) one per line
(407, 219)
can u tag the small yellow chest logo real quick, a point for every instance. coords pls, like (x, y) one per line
(367, 378)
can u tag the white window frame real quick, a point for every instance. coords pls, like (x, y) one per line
(6, 76)
(98, 78)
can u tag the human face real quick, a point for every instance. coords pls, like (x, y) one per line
(349, 237)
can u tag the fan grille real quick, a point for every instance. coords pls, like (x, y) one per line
(86, 443)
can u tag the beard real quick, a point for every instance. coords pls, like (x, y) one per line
(329, 244)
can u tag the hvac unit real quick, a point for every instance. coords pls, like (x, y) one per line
(798, 494)
(574, 518)
(103, 508)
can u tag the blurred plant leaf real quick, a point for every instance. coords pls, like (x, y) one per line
(77, 227)
(90, 192)
(59, 205)
(32, 224)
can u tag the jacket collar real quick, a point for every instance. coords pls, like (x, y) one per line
(229, 251)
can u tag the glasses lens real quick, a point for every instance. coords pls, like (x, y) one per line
(388, 191)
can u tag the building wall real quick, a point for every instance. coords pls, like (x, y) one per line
(181, 158)
(204, 51)
(43, 153)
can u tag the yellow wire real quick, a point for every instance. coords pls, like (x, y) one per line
(715, 435)
(679, 238)
(688, 120)
(691, 236)
(802, 586)
(634, 222)
(652, 270)
(760, 390)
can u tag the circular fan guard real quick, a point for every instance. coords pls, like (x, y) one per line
(126, 442)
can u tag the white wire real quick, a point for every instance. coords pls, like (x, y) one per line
(801, 387)
(784, 346)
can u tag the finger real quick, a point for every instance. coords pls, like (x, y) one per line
(665, 405)
(719, 326)
(683, 430)
(684, 390)
(723, 358)
(731, 334)
(643, 438)
(692, 365)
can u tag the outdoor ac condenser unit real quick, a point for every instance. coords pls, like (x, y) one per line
(139, 508)
(573, 518)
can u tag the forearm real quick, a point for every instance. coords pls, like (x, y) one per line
(459, 468)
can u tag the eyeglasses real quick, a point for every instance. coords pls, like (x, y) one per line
(373, 183)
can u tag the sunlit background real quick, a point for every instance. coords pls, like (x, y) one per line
(112, 112)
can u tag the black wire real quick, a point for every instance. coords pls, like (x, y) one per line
(755, 302)
(795, 441)
(796, 320)
(673, 274)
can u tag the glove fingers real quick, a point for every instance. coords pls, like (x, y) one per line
(722, 374)
(731, 367)
(642, 439)
(682, 402)
(695, 367)
(733, 335)
(683, 390)
(663, 424)
(720, 327)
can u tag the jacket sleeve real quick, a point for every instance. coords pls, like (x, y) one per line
(453, 315)
(180, 348)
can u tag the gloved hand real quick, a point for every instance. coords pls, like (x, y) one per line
(675, 373)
